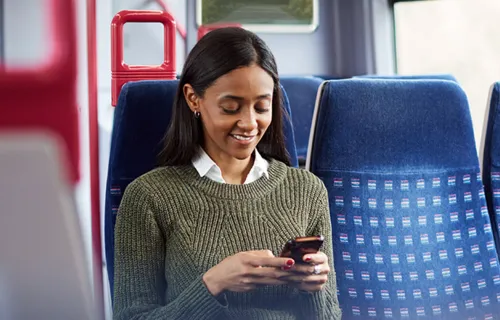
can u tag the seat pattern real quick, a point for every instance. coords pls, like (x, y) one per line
(414, 245)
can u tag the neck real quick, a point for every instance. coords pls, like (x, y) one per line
(234, 171)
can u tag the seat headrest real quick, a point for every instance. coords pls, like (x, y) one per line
(141, 118)
(302, 93)
(384, 125)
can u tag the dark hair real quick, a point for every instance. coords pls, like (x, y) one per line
(216, 54)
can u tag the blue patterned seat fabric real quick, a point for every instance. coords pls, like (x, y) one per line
(412, 233)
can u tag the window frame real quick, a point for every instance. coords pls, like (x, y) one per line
(394, 1)
(271, 28)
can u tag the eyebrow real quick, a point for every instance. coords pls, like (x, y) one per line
(237, 98)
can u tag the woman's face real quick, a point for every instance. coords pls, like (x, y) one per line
(236, 111)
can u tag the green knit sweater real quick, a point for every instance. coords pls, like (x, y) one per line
(173, 226)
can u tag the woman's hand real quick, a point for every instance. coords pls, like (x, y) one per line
(245, 271)
(310, 276)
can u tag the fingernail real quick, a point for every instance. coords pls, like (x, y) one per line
(290, 262)
(286, 268)
(307, 259)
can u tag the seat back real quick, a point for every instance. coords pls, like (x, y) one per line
(141, 119)
(412, 234)
(491, 160)
(302, 95)
(328, 77)
(410, 77)
(288, 130)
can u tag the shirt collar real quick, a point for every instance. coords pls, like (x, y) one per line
(204, 165)
(260, 165)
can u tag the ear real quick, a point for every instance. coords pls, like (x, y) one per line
(192, 99)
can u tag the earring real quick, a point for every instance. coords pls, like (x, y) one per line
(196, 114)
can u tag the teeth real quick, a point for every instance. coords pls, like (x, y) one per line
(241, 137)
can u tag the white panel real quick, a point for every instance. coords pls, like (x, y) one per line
(43, 269)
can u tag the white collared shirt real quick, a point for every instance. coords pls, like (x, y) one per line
(207, 167)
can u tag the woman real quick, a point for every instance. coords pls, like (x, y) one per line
(200, 237)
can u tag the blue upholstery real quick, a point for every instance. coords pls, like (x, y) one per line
(288, 130)
(412, 234)
(327, 77)
(141, 119)
(302, 95)
(410, 77)
(491, 160)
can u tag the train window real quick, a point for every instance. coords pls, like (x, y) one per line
(451, 36)
(261, 15)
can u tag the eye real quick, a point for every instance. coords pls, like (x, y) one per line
(230, 108)
(263, 106)
(228, 111)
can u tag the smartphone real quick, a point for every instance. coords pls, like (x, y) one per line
(300, 246)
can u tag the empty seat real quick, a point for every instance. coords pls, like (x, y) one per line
(411, 77)
(491, 160)
(301, 92)
(141, 119)
(412, 234)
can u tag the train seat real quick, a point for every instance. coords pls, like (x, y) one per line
(302, 95)
(412, 233)
(141, 119)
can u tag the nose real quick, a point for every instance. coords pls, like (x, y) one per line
(248, 120)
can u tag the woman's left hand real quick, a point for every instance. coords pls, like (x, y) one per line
(311, 275)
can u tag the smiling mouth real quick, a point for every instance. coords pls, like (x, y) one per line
(242, 138)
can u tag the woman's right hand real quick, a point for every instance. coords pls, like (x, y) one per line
(246, 271)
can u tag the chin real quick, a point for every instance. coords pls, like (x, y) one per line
(243, 154)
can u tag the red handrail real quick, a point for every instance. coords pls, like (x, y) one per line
(122, 73)
(94, 158)
(204, 29)
(45, 97)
